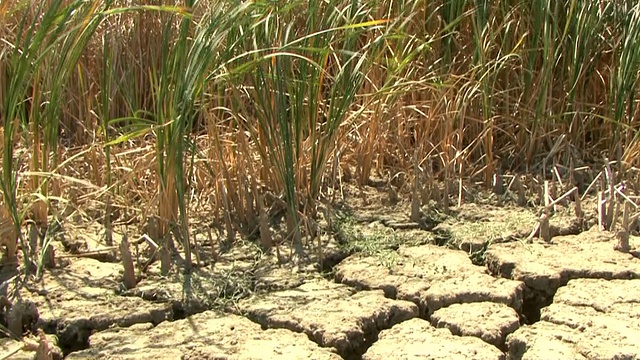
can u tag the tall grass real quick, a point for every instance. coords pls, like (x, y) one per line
(195, 59)
(44, 49)
(229, 109)
(39, 55)
(308, 65)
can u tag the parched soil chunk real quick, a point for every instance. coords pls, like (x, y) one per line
(208, 335)
(589, 319)
(330, 314)
(612, 297)
(544, 341)
(490, 322)
(417, 339)
(546, 267)
(430, 276)
(81, 298)
(478, 224)
(549, 266)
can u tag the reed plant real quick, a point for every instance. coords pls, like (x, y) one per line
(233, 108)
(308, 62)
(38, 57)
(191, 59)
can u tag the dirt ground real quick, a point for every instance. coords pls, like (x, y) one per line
(470, 284)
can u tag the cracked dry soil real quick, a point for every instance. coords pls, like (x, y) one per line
(575, 298)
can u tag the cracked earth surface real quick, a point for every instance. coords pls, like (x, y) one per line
(574, 298)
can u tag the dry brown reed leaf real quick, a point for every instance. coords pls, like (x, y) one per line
(8, 236)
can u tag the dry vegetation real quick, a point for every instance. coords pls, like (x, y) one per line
(169, 118)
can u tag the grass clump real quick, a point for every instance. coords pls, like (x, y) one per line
(372, 238)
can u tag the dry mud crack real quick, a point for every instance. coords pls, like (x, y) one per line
(331, 314)
(417, 339)
(208, 335)
(471, 306)
(85, 297)
(544, 268)
(80, 299)
(432, 277)
(589, 319)
(575, 298)
(589, 295)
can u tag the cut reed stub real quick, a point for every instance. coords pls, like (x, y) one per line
(622, 243)
(45, 351)
(265, 232)
(522, 198)
(625, 216)
(416, 215)
(8, 237)
(601, 211)
(34, 239)
(49, 258)
(445, 197)
(214, 252)
(498, 184)
(129, 276)
(578, 210)
(547, 195)
(165, 258)
(545, 233)
(393, 195)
